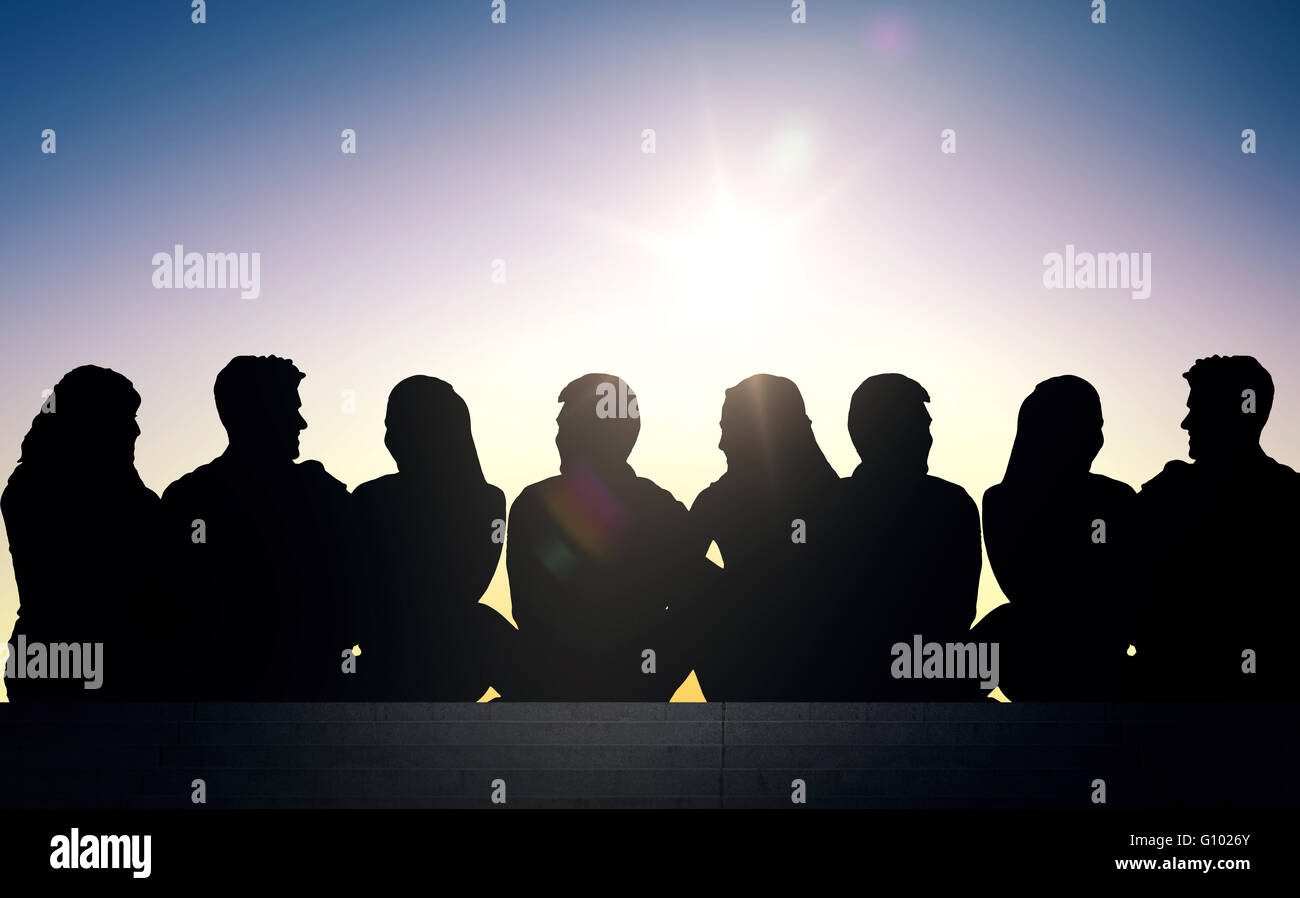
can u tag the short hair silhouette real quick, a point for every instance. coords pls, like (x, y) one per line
(599, 422)
(907, 557)
(595, 557)
(1217, 421)
(276, 533)
(257, 402)
(1219, 537)
(889, 425)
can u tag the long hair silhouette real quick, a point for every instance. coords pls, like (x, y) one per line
(84, 534)
(429, 435)
(757, 636)
(768, 438)
(1058, 433)
(427, 554)
(1059, 540)
(89, 428)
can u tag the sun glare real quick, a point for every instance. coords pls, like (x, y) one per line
(731, 265)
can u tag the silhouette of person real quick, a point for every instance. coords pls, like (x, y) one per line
(909, 556)
(757, 633)
(429, 538)
(262, 550)
(596, 557)
(1057, 537)
(1219, 534)
(84, 531)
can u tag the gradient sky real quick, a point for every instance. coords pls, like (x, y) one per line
(797, 218)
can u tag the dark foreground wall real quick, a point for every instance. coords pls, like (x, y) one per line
(977, 755)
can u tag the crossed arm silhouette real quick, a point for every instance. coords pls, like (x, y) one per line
(258, 576)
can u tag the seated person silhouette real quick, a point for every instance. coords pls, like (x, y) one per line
(757, 632)
(84, 535)
(262, 550)
(909, 554)
(1057, 537)
(1220, 535)
(427, 554)
(596, 556)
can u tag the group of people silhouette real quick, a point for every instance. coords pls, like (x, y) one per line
(255, 575)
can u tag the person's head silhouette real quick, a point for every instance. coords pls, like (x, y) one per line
(87, 422)
(598, 424)
(1058, 432)
(1228, 403)
(257, 401)
(890, 426)
(428, 432)
(766, 431)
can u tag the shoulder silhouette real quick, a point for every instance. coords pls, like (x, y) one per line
(1221, 534)
(596, 557)
(84, 535)
(757, 631)
(909, 556)
(262, 550)
(1058, 539)
(429, 538)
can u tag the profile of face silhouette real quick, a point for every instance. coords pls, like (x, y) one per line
(737, 436)
(428, 429)
(1228, 402)
(1058, 430)
(116, 427)
(258, 403)
(764, 424)
(890, 425)
(89, 421)
(598, 422)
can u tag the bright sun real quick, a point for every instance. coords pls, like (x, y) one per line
(730, 263)
(723, 255)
